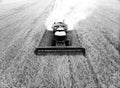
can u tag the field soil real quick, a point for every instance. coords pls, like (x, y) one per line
(21, 30)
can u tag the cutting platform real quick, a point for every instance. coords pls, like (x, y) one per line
(45, 46)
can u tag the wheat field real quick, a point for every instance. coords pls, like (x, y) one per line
(21, 29)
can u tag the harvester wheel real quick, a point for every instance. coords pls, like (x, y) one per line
(67, 43)
(53, 43)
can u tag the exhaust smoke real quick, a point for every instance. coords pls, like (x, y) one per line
(70, 11)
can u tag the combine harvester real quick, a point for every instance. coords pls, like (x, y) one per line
(59, 42)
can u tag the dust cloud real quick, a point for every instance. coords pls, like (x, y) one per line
(70, 11)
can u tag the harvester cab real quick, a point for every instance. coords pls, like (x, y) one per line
(60, 34)
(59, 42)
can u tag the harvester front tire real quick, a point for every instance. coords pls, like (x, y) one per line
(67, 43)
(53, 43)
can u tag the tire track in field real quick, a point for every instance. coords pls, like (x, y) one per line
(19, 43)
(97, 55)
(15, 11)
(93, 74)
(99, 34)
(22, 27)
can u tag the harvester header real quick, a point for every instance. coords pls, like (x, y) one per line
(59, 41)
